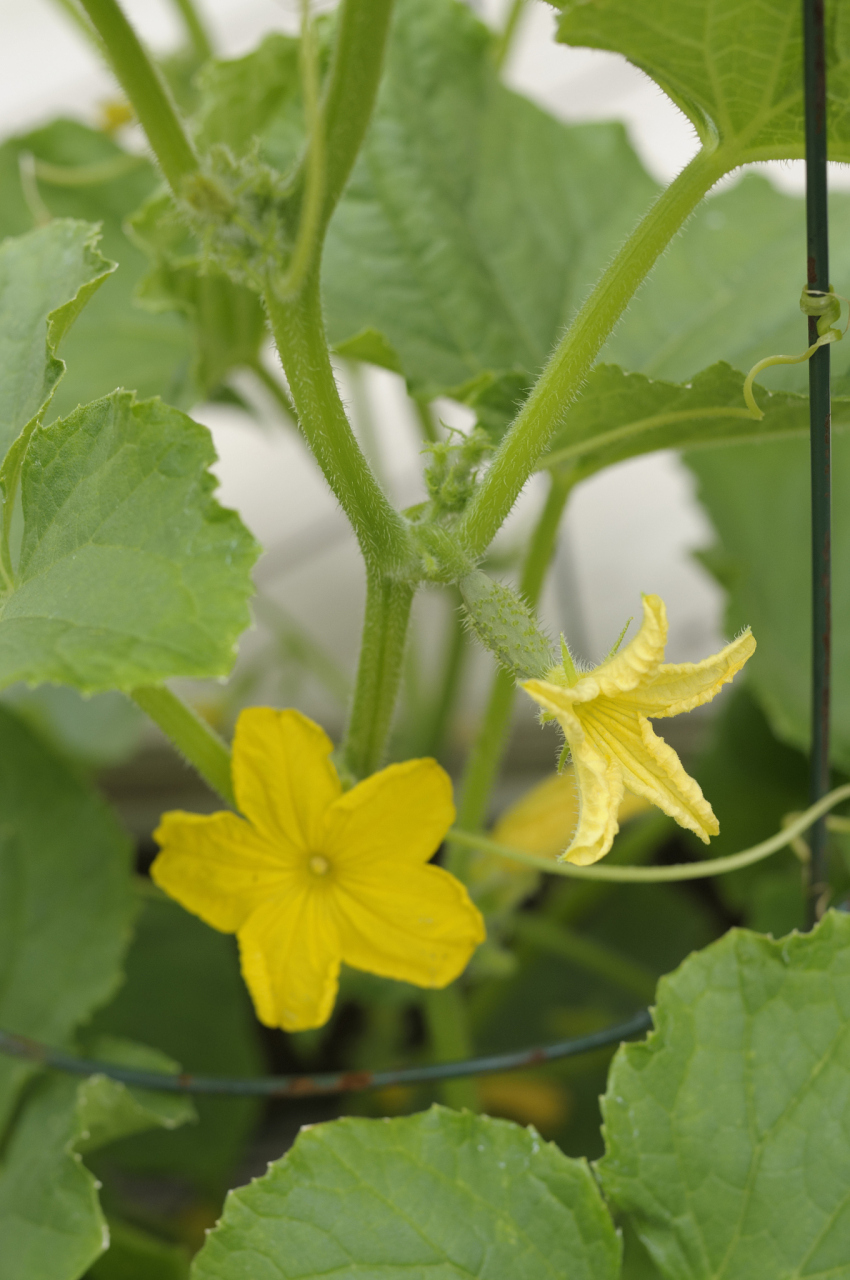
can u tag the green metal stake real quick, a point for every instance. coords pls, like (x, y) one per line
(817, 234)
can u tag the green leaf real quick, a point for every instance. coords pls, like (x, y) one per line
(728, 288)
(82, 173)
(200, 1015)
(226, 320)
(620, 415)
(129, 570)
(51, 1223)
(46, 277)
(758, 499)
(257, 97)
(442, 1193)
(66, 902)
(474, 222)
(734, 70)
(726, 1130)
(96, 732)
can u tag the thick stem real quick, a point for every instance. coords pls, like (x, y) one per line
(300, 336)
(355, 74)
(486, 756)
(147, 92)
(378, 673)
(191, 735)
(570, 363)
(451, 1040)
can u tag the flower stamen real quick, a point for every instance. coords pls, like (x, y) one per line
(319, 865)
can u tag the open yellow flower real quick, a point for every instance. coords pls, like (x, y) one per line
(605, 713)
(311, 876)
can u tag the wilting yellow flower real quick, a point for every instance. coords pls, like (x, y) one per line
(543, 820)
(311, 876)
(604, 714)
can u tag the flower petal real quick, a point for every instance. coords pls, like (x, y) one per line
(650, 767)
(282, 775)
(633, 665)
(559, 702)
(290, 954)
(600, 787)
(217, 867)
(678, 687)
(418, 926)
(398, 815)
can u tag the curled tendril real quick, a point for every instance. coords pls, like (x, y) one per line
(813, 302)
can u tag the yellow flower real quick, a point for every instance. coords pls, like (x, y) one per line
(312, 876)
(604, 714)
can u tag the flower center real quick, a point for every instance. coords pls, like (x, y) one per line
(319, 865)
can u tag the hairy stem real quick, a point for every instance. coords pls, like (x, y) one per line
(355, 74)
(544, 410)
(192, 736)
(300, 336)
(378, 673)
(486, 756)
(146, 90)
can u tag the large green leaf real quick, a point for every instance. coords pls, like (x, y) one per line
(129, 570)
(254, 98)
(726, 1131)
(436, 1194)
(759, 502)
(226, 320)
(619, 415)
(66, 902)
(183, 993)
(51, 1224)
(728, 288)
(81, 173)
(46, 277)
(735, 70)
(474, 223)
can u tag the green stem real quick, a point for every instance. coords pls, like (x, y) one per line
(658, 875)
(378, 673)
(307, 246)
(191, 735)
(570, 901)
(486, 756)
(71, 9)
(451, 1041)
(275, 389)
(146, 90)
(443, 704)
(545, 935)
(300, 336)
(505, 40)
(425, 418)
(544, 410)
(196, 30)
(355, 73)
